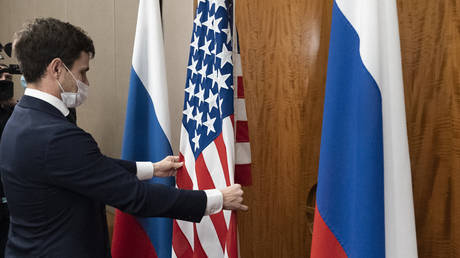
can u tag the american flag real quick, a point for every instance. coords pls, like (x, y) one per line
(214, 135)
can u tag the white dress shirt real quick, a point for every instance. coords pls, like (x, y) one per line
(145, 170)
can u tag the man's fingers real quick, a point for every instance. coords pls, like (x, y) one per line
(243, 207)
(233, 198)
(173, 158)
(236, 186)
(177, 165)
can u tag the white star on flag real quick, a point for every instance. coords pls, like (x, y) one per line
(190, 89)
(213, 76)
(220, 3)
(192, 67)
(205, 47)
(200, 96)
(197, 20)
(221, 78)
(194, 43)
(210, 124)
(212, 101)
(198, 118)
(215, 25)
(208, 23)
(196, 140)
(202, 71)
(189, 112)
(225, 56)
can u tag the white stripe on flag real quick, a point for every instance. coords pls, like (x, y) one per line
(229, 141)
(208, 238)
(149, 61)
(212, 160)
(227, 217)
(243, 153)
(189, 158)
(240, 110)
(238, 69)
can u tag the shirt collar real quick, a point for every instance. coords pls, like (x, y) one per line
(55, 102)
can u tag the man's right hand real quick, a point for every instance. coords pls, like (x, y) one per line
(233, 198)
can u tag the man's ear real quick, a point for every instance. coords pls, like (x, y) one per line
(55, 68)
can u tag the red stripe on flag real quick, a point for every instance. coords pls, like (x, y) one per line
(202, 174)
(183, 179)
(222, 151)
(205, 182)
(324, 243)
(242, 132)
(232, 237)
(180, 243)
(243, 174)
(218, 220)
(240, 88)
(198, 250)
(130, 239)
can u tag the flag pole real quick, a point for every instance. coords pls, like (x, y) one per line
(161, 9)
(234, 50)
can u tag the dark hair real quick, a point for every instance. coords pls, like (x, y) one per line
(44, 39)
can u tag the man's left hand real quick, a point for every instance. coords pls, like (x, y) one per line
(167, 167)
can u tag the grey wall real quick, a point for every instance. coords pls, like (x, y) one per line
(111, 24)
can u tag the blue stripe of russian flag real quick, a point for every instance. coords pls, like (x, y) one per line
(143, 140)
(350, 197)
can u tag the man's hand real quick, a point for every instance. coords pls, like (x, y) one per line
(233, 198)
(167, 167)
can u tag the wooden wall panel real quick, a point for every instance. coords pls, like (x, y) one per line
(430, 43)
(284, 47)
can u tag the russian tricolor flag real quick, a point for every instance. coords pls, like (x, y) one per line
(364, 197)
(147, 135)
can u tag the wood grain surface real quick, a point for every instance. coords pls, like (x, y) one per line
(430, 43)
(284, 46)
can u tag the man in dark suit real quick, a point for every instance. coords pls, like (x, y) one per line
(56, 179)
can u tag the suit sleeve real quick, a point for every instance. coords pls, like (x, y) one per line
(130, 166)
(74, 162)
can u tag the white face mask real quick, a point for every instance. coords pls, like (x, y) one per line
(74, 99)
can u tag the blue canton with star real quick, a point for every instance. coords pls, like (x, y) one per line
(209, 86)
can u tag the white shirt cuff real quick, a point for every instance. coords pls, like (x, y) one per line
(215, 201)
(144, 170)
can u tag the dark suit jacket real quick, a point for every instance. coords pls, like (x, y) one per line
(57, 182)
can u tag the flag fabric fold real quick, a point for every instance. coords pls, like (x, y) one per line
(146, 136)
(214, 141)
(364, 195)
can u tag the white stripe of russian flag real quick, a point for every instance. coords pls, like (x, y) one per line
(148, 61)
